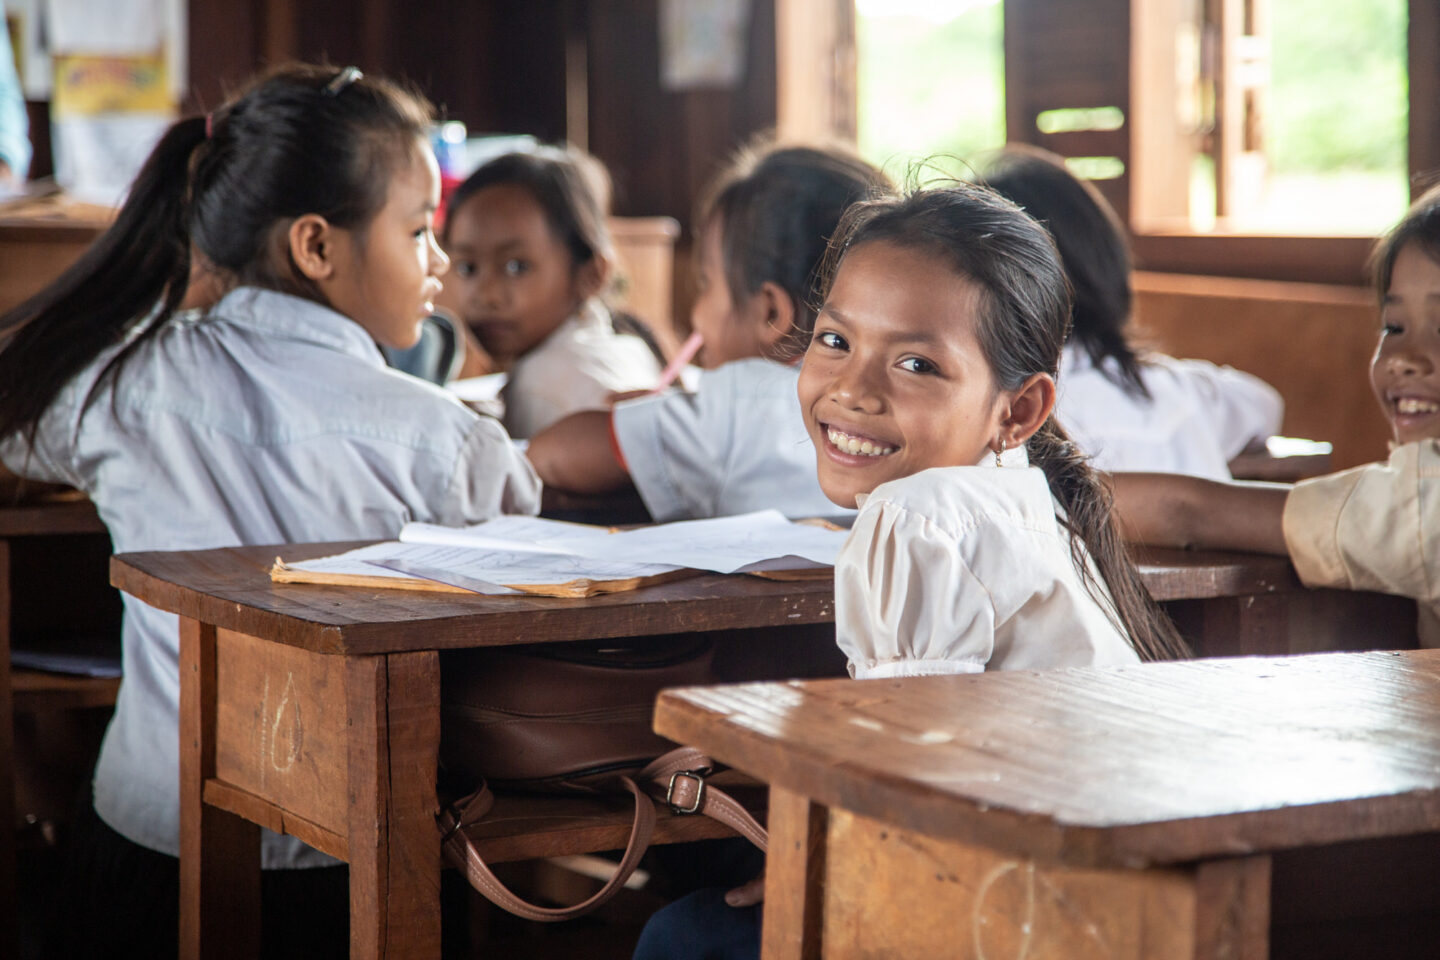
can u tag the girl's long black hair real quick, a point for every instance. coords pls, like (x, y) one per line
(1024, 317)
(1093, 251)
(223, 189)
(1420, 225)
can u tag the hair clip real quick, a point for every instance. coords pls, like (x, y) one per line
(342, 80)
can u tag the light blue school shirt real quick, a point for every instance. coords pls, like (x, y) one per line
(269, 419)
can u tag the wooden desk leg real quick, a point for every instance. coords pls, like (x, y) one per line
(1232, 909)
(9, 936)
(794, 878)
(392, 838)
(219, 852)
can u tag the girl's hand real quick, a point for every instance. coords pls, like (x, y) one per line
(747, 895)
(477, 362)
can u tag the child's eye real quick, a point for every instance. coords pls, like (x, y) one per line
(832, 340)
(918, 365)
(514, 267)
(463, 269)
(1388, 329)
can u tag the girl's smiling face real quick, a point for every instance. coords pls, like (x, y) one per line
(1406, 369)
(513, 280)
(895, 380)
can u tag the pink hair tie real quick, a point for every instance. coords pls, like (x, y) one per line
(209, 125)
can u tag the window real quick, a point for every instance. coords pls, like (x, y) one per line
(930, 79)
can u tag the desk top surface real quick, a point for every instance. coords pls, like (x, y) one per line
(231, 588)
(50, 517)
(1156, 763)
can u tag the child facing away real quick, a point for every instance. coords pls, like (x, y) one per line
(269, 418)
(738, 443)
(1374, 527)
(983, 541)
(1129, 410)
(531, 257)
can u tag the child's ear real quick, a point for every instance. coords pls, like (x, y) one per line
(311, 240)
(1028, 409)
(775, 313)
(592, 276)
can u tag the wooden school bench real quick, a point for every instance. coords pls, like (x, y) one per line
(1154, 812)
(52, 579)
(315, 710)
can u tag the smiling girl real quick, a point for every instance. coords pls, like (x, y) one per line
(1370, 528)
(269, 418)
(983, 540)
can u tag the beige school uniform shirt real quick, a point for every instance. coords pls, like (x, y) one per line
(1375, 527)
(964, 569)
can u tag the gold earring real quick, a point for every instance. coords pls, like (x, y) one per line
(999, 453)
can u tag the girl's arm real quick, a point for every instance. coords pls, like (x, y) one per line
(577, 454)
(1172, 510)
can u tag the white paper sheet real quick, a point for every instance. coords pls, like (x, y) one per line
(484, 571)
(764, 540)
(524, 534)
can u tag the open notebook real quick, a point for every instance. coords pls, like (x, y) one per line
(515, 555)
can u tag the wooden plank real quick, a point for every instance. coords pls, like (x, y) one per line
(890, 891)
(281, 726)
(1171, 574)
(1153, 764)
(276, 819)
(794, 878)
(1253, 325)
(394, 708)
(231, 588)
(1232, 909)
(219, 852)
(37, 690)
(64, 514)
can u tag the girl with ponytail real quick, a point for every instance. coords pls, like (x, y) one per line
(984, 541)
(307, 203)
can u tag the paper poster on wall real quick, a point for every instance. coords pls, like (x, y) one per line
(107, 114)
(702, 43)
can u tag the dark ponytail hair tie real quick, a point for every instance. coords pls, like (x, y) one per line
(209, 125)
(342, 80)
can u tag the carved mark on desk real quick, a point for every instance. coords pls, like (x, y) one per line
(282, 732)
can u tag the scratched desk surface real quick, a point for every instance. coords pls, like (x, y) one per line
(231, 588)
(1152, 764)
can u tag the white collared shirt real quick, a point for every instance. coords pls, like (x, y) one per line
(737, 444)
(964, 569)
(576, 368)
(269, 419)
(1200, 416)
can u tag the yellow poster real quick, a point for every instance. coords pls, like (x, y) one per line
(87, 86)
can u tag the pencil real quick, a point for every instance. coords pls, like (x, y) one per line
(684, 355)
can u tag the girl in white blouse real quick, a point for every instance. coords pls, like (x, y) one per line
(1129, 410)
(984, 541)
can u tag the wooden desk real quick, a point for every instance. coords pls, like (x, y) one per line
(52, 563)
(1124, 813)
(1245, 604)
(316, 711)
(39, 239)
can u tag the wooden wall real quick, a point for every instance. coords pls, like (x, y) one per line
(1312, 342)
